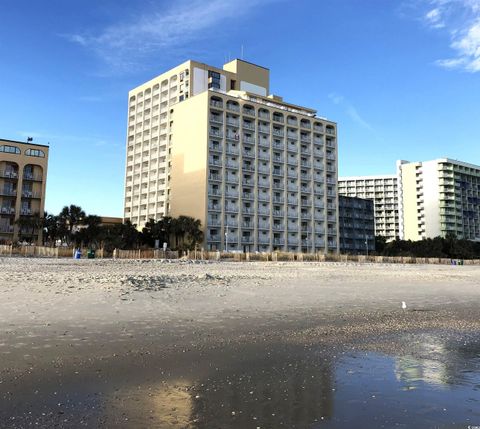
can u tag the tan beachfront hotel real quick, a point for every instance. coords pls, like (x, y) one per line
(23, 174)
(260, 173)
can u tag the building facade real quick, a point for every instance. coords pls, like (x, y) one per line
(23, 176)
(356, 218)
(383, 191)
(260, 173)
(439, 197)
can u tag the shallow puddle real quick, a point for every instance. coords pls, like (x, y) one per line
(435, 383)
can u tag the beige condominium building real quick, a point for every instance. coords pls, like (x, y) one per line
(260, 173)
(383, 190)
(23, 176)
(439, 197)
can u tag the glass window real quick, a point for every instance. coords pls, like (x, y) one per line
(9, 149)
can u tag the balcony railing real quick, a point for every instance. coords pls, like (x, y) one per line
(216, 118)
(7, 210)
(6, 229)
(9, 174)
(216, 133)
(31, 194)
(8, 192)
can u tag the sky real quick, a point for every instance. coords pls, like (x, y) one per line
(401, 78)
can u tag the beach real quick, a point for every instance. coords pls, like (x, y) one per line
(195, 344)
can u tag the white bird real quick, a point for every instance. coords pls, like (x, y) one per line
(404, 306)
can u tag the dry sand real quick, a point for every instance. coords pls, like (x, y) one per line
(102, 343)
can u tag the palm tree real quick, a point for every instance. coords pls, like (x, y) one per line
(69, 217)
(29, 225)
(50, 227)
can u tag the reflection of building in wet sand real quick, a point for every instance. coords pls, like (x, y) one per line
(440, 363)
(266, 395)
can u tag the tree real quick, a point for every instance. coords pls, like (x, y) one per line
(70, 217)
(50, 228)
(29, 226)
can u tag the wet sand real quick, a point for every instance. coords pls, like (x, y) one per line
(141, 344)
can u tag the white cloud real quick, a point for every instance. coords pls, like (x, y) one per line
(350, 110)
(434, 18)
(124, 45)
(461, 18)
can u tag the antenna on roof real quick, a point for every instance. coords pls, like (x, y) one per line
(241, 56)
(29, 139)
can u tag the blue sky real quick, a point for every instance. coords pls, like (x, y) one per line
(401, 78)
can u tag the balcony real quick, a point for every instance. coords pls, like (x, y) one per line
(232, 164)
(232, 136)
(7, 210)
(248, 154)
(26, 212)
(216, 133)
(213, 161)
(31, 194)
(214, 222)
(231, 208)
(278, 241)
(232, 150)
(213, 237)
(233, 107)
(247, 225)
(292, 161)
(6, 229)
(248, 167)
(8, 192)
(277, 132)
(8, 174)
(248, 126)
(230, 178)
(247, 139)
(215, 177)
(233, 122)
(248, 196)
(213, 148)
(216, 118)
(279, 146)
(264, 130)
(247, 240)
(217, 104)
(33, 177)
(231, 194)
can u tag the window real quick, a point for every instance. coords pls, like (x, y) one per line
(35, 152)
(9, 149)
(213, 80)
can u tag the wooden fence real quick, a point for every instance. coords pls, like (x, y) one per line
(44, 252)
(204, 255)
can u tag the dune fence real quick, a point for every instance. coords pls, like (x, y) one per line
(204, 255)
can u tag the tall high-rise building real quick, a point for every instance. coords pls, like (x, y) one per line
(260, 173)
(23, 177)
(439, 197)
(383, 190)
